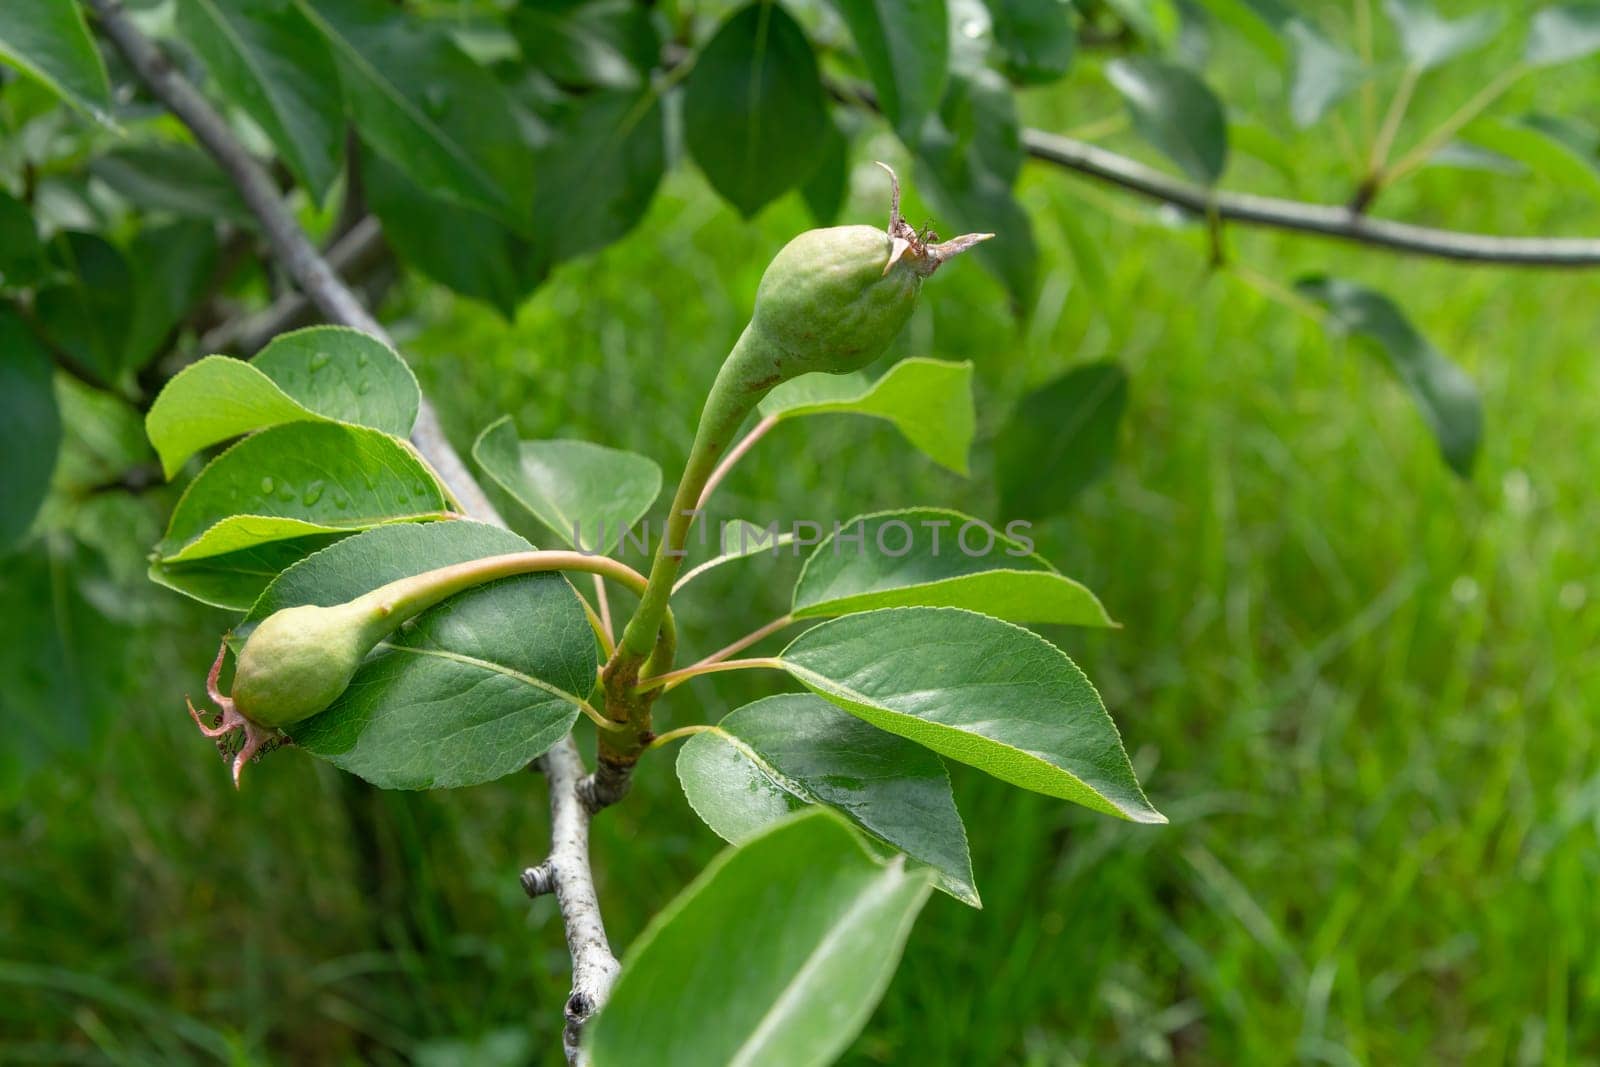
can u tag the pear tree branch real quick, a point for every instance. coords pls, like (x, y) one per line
(567, 873)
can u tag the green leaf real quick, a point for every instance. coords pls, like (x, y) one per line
(979, 691)
(970, 154)
(1324, 74)
(468, 251)
(21, 253)
(1561, 150)
(418, 99)
(932, 557)
(269, 61)
(753, 109)
(234, 580)
(295, 480)
(49, 41)
(1176, 112)
(1037, 38)
(927, 400)
(829, 184)
(785, 753)
(597, 174)
(172, 265)
(1061, 440)
(905, 46)
(775, 955)
(171, 177)
(30, 428)
(473, 690)
(605, 44)
(89, 312)
(1448, 399)
(739, 539)
(586, 494)
(1429, 39)
(344, 374)
(1563, 33)
(322, 373)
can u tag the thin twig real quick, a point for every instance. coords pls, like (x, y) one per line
(567, 872)
(736, 453)
(604, 604)
(353, 256)
(744, 642)
(673, 679)
(1320, 219)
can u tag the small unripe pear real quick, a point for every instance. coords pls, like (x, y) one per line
(298, 661)
(832, 301)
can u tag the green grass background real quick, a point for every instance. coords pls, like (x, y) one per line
(1364, 691)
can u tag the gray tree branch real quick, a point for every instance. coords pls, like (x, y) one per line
(567, 873)
(1320, 219)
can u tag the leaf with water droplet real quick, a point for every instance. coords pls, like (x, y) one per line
(787, 752)
(231, 504)
(307, 375)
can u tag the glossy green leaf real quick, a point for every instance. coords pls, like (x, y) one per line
(172, 264)
(323, 373)
(344, 374)
(979, 691)
(473, 690)
(1060, 441)
(829, 184)
(1446, 396)
(753, 109)
(970, 154)
(775, 955)
(467, 250)
(22, 261)
(1036, 37)
(905, 46)
(605, 44)
(1324, 74)
(234, 580)
(1429, 39)
(1563, 33)
(596, 174)
(927, 400)
(269, 61)
(48, 40)
(586, 494)
(932, 557)
(1560, 149)
(173, 178)
(30, 428)
(785, 753)
(1176, 112)
(418, 99)
(297, 480)
(88, 310)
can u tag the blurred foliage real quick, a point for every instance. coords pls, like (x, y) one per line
(1361, 687)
